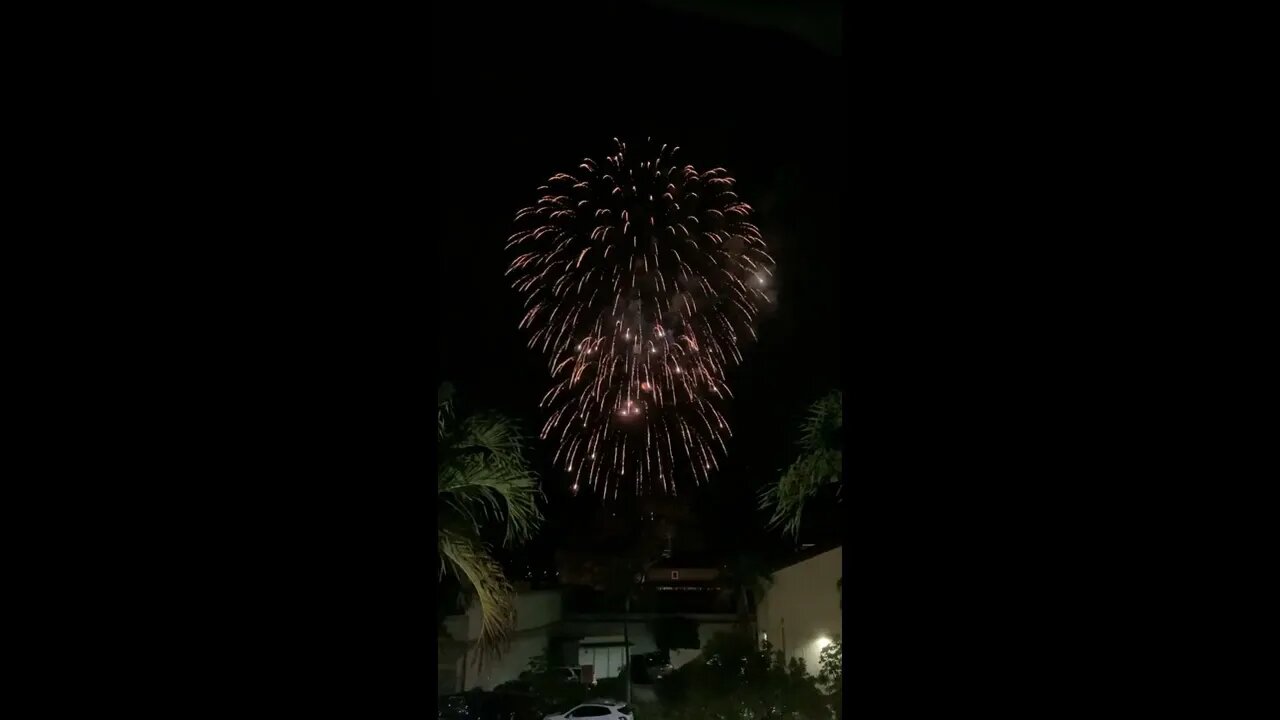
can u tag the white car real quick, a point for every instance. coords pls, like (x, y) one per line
(567, 674)
(601, 709)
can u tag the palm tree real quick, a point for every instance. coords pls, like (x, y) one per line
(746, 577)
(621, 579)
(483, 480)
(819, 464)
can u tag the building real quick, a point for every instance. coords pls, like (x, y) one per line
(800, 613)
(597, 638)
(580, 622)
(569, 633)
(683, 570)
(537, 618)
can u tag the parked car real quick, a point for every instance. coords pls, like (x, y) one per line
(458, 706)
(483, 705)
(598, 709)
(568, 674)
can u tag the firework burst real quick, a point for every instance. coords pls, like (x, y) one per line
(641, 279)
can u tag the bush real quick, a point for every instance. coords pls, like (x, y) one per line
(613, 688)
(734, 679)
(553, 694)
(831, 677)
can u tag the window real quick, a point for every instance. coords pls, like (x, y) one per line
(590, 711)
(625, 709)
(675, 574)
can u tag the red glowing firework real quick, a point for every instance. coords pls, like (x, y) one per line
(641, 278)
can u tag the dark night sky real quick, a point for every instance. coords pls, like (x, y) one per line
(534, 96)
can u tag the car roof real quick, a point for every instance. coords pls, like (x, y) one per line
(603, 701)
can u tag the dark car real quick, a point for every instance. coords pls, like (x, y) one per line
(456, 707)
(484, 705)
(515, 706)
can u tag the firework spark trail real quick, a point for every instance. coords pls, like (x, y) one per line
(640, 277)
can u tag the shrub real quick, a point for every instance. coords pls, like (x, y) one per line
(734, 680)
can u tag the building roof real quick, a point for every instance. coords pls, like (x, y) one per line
(805, 554)
(689, 560)
(604, 643)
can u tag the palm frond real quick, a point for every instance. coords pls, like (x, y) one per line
(466, 557)
(481, 490)
(483, 476)
(483, 479)
(826, 419)
(821, 464)
(444, 407)
(806, 476)
(494, 434)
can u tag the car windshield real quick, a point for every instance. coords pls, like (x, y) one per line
(625, 709)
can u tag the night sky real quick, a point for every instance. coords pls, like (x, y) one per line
(764, 102)
(1031, 462)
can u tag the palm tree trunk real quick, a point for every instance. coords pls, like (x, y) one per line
(626, 644)
(465, 650)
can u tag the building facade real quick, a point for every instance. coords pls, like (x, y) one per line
(580, 623)
(800, 613)
(594, 642)
(537, 616)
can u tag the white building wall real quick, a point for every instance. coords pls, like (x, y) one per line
(642, 642)
(537, 609)
(802, 607)
(706, 631)
(509, 666)
(535, 613)
(607, 661)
